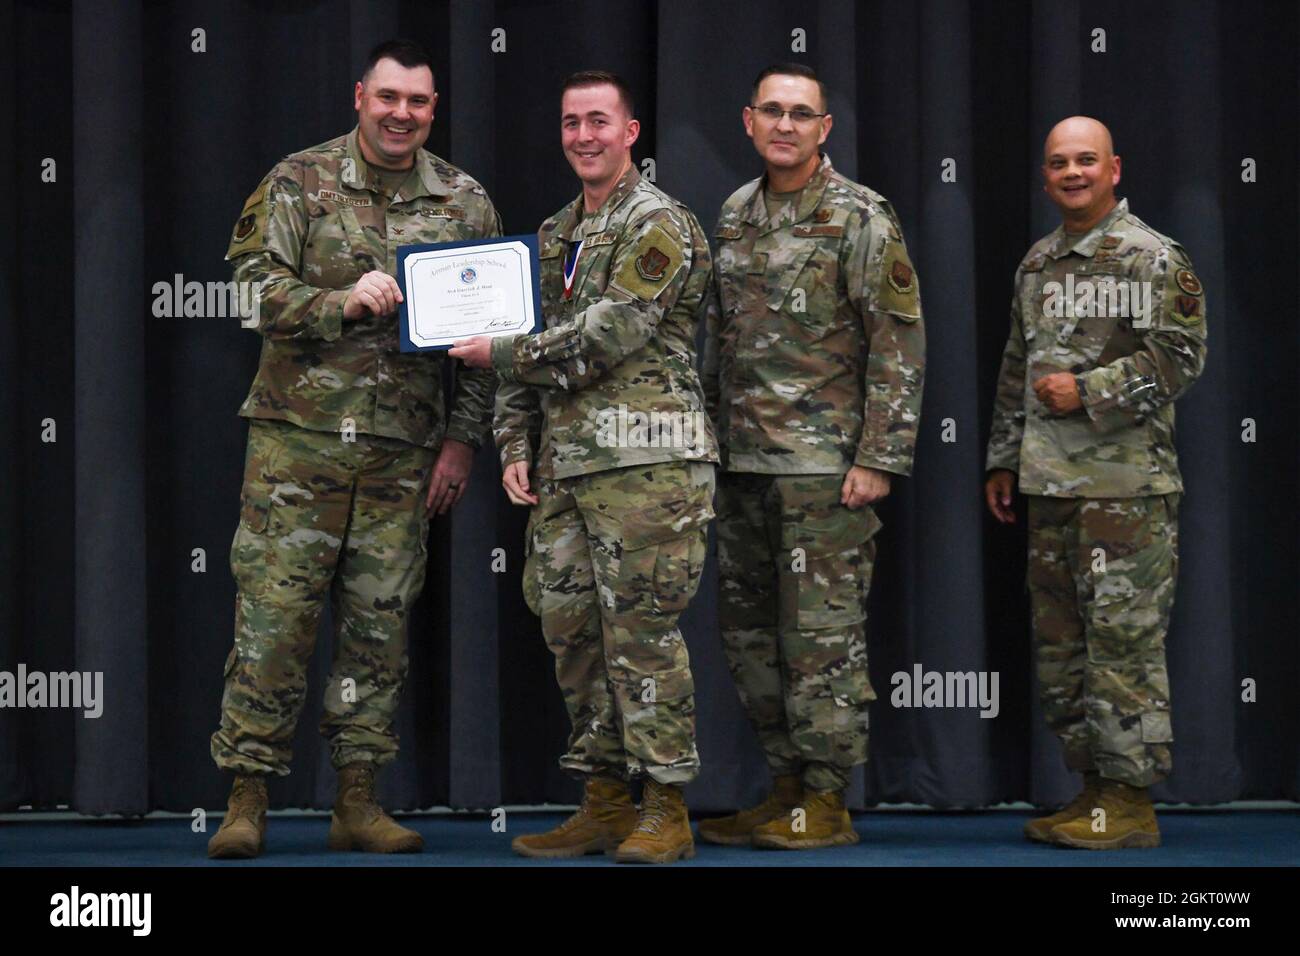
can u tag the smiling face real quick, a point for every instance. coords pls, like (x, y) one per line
(596, 133)
(1080, 171)
(394, 107)
(786, 143)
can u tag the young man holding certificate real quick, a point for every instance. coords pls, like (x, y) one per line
(349, 446)
(601, 427)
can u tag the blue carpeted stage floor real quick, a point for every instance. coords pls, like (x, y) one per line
(893, 838)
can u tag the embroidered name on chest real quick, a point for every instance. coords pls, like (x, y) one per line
(329, 195)
(443, 212)
(804, 231)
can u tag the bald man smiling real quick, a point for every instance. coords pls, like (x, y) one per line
(1107, 331)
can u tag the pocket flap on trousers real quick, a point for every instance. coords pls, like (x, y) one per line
(666, 522)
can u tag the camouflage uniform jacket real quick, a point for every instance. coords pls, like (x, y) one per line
(815, 352)
(315, 225)
(1129, 368)
(611, 382)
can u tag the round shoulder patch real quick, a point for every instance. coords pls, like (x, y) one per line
(1188, 282)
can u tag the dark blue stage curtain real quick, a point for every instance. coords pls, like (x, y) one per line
(157, 146)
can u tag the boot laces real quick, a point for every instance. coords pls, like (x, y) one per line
(246, 799)
(653, 812)
(361, 794)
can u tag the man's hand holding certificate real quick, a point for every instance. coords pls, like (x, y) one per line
(454, 291)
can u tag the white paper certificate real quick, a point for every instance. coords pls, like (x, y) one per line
(458, 290)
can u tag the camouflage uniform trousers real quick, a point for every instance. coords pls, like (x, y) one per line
(613, 558)
(321, 516)
(1101, 585)
(794, 621)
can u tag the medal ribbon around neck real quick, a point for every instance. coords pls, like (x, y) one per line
(571, 267)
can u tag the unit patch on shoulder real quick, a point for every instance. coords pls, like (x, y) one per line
(1188, 282)
(823, 215)
(1187, 309)
(248, 232)
(900, 276)
(650, 266)
(1034, 264)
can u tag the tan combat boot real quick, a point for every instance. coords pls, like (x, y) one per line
(604, 820)
(360, 824)
(824, 821)
(1040, 829)
(243, 831)
(738, 829)
(1130, 821)
(663, 830)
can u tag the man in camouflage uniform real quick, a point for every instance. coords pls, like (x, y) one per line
(1107, 330)
(813, 372)
(346, 438)
(605, 411)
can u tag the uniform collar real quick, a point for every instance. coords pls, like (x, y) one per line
(809, 198)
(594, 222)
(1085, 245)
(358, 174)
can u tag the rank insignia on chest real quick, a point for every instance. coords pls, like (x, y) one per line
(244, 228)
(1110, 242)
(900, 276)
(822, 215)
(651, 264)
(1188, 282)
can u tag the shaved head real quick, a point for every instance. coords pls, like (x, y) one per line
(1080, 171)
(1080, 129)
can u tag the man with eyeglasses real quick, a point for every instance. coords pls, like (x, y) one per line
(812, 373)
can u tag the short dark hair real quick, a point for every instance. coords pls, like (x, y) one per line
(599, 78)
(790, 69)
(407, 53)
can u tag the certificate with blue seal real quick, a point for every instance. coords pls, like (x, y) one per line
(457, 290)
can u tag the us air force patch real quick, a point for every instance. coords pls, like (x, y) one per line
(651, 266)
(249, 228)
(898, 293)
(900, 277)
(1187, 309)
